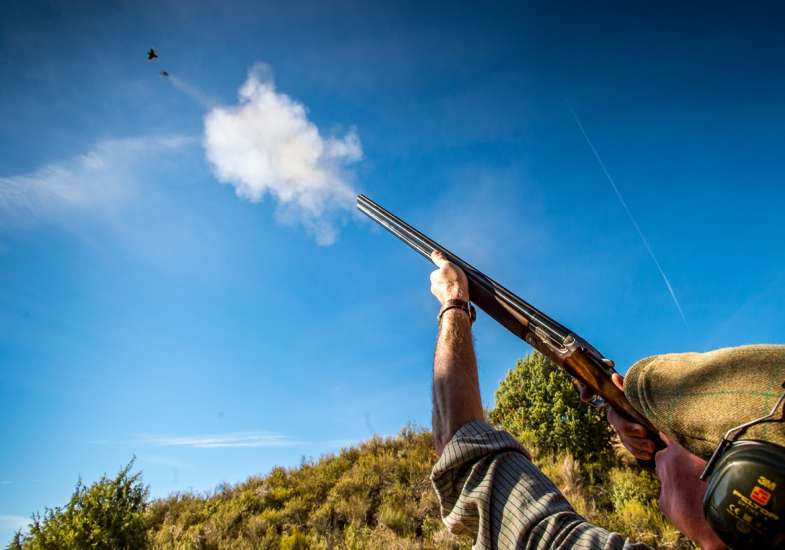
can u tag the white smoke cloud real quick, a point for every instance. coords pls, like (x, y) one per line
(266, 144)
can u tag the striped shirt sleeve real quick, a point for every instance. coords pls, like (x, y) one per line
(489, 489)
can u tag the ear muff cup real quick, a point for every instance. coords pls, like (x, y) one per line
(745, 497)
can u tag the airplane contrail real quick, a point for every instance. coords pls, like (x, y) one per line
(629, 213)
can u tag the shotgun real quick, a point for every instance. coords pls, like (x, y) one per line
(587, 367)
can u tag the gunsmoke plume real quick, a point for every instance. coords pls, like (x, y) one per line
(192, 91)
(266, 144)
(619, 196)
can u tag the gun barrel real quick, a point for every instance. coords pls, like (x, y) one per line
(419, 242)
(581, 361)
(425, 246)
(578, 358)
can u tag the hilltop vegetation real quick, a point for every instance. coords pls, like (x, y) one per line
(375, 495)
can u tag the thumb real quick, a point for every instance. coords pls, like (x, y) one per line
(618, 380)
(438, 258)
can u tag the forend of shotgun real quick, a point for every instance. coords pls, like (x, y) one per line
(588, 367)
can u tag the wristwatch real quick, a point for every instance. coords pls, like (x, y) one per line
(463, 305)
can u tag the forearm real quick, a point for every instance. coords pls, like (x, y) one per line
(456, 389)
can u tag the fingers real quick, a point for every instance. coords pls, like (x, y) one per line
(448, 281)
(625, 427)
(439, 259)
(640, 447)
(633, 436)
(447, 268)
(639, 452)
(586, 393)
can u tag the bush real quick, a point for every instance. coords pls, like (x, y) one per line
(633, 495)
(375, 495)
(537, 403)
(109, 514)
(294, 541)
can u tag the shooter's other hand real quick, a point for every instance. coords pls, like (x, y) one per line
(449, 281)
(632, 435)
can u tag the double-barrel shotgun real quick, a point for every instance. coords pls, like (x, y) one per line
(587, 367)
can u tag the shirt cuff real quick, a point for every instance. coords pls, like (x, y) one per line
(464, 458)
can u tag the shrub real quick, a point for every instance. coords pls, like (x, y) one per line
(537, 403)
(109, 514)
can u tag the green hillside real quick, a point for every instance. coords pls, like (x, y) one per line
(374, 495)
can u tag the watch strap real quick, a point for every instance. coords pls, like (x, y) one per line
(463, 305)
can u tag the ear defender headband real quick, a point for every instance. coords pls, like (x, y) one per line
(745, 498)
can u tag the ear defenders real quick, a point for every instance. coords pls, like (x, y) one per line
(745, 497)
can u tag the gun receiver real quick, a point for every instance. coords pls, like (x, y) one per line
(577, 357)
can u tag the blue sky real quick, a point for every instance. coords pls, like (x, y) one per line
(146, 309)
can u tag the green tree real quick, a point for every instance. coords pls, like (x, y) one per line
(537, 403)
(109, 514)
(17, 542)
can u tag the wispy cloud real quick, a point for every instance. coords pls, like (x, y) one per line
(13, 522)
(224, 441)
(96, 179)
(266, 144)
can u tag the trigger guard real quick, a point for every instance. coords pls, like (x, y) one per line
(597, 402)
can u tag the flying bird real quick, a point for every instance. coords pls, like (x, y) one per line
(151, 55)
(164, 73)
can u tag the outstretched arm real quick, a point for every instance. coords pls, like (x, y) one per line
(456, 389)
(486, 484)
